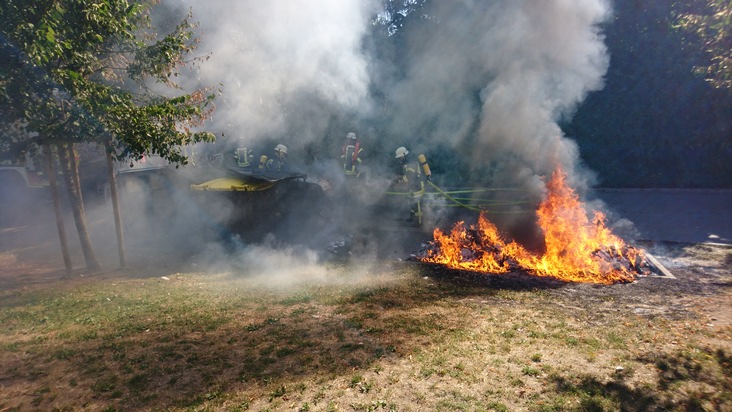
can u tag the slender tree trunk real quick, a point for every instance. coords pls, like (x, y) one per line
(115, 206)
(51, 172)
(71, 178)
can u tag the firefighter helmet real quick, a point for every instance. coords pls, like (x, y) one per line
(401, 152)
(351, 136)
(281, 148)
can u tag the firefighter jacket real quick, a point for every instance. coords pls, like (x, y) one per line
(244, 157)
(411, 175)
(277, 163)
(351, 158)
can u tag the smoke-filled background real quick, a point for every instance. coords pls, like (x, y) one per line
(287, 69)
(489, 90)
(493, 78)
(488, 80)
(477, 86)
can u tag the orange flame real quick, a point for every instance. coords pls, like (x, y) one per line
(576, 249)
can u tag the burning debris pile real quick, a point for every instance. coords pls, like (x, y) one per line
(577, 250)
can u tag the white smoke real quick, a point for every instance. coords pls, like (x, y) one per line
(490, 79)
(533, 62)
(286, 66)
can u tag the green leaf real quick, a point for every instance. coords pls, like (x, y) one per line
(50, 35)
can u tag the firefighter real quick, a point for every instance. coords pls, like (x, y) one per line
(351, 155)
(413, 175)
(279, 161)
(244, 157)
(351, 190)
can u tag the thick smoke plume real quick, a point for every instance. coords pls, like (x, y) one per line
(479, 86)
(490, 78)
(488, 81)
(286, 67)
(494, 78)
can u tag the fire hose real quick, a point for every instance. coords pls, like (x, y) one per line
(455, 199)
(447, 196)
(483, 207)
(454, 196)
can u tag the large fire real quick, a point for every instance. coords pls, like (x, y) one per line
(576, 249)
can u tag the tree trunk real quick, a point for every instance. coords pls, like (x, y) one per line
(71, 178)
(53, 182)
(115, 206)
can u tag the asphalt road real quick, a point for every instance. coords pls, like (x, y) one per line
(674, 215)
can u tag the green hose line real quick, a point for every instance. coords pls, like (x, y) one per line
(452, 198)
(495, 212)
(487, 189)
(460, 201)
(494, 203)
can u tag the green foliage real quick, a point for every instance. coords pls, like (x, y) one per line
(655, 124)
(64, 74)
(162, 58)
(712, 26)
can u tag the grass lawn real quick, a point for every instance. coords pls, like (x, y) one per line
(349, 337)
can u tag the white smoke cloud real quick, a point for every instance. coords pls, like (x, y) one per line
(533, 62)
(286, 66)
(492, 79)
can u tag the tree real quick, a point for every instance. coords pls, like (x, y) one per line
(641, 130)
(74, 71)
(713, 26)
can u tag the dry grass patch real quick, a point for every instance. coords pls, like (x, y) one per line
(397, 338)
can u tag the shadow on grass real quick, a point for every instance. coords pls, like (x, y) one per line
(151, 349)
(196, 350)
(698, 382)
(146, 365)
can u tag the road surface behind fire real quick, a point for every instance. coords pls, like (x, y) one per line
(675, 215)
